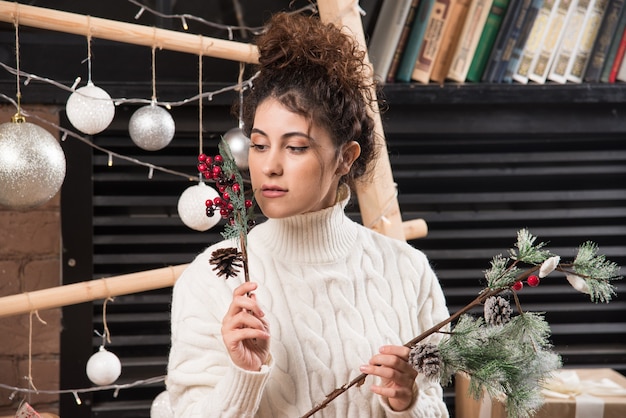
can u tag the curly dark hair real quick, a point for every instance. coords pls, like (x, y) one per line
(317, 71)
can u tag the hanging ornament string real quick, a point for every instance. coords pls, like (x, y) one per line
(29, 378)
(18, 117)
(154, 96)
(200, 127)
(106, 337)
(242, 67)
(88, 49)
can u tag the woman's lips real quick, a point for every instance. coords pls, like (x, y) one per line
(272, 191)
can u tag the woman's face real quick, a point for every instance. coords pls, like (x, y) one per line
(294, 166)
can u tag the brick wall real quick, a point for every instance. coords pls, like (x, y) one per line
(30, 254)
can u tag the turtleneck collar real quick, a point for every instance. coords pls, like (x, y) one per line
(316, 237)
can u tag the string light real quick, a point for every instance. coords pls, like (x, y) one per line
(229, 28)
(75, 392)
(122, 100)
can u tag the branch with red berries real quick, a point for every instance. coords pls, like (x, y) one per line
(507, 357)
(233, 207)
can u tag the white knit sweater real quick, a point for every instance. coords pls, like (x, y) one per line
(333, 292)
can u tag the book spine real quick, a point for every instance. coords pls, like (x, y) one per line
(603, 41)
(386, 35)
(571, 38)
(393, 68)
(503, 37)
(579, 62)
(619, 56)
(476, 18)
(487, 39)
(533, 43)
(516, 40)
(414, 43)
(452, 33)
(520, 43)
(610, 54)
(439, 15)
(552, 40)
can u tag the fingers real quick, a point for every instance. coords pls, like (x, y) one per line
(397, 375)
(245, 300)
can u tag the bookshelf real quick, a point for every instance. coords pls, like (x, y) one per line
(399, 94)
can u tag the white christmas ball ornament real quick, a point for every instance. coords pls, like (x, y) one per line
(90, 109)
(32, 165)
(192, 207)
(103, 367)
(151, 127)
(161, 406)
(239, 145)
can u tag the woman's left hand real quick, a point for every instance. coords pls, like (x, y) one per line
(396, 374)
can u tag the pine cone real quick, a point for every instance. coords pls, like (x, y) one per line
(227, 262)
(426, 360)
(497, 310)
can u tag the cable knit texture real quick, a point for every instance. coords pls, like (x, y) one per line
(333, 292)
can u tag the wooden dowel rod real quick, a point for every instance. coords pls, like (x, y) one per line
(130, 33)
(415, 228)
(378, 203)
(90, 290)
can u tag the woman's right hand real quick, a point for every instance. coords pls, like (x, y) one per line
(245, 332)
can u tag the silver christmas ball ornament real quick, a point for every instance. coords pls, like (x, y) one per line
(151, 127)
(192, 207)
(90, 109)
(32, 165)
(239, 145)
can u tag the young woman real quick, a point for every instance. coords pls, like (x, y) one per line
(328, 298)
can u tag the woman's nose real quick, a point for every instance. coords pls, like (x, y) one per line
(272, 166)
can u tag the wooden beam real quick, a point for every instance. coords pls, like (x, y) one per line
(130, 33)
(378, 201)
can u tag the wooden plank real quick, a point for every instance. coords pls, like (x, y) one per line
(378, 201)
(131, 33)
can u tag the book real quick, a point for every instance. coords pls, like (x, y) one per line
(553, 37)
(520, 38)
(404, 37)
(619, 57)
(449, 40)
(535, 40)
(439, 17)
(386, 35)
(613, 47)
(468, 41)
(572, 37)
(580, 58)
(503, 39)
(414, 42)
(487, 39)
(603, 40)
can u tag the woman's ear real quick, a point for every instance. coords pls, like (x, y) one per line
(349, 153)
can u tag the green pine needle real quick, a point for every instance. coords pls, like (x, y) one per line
(243, 215)
(597, 271)
(527, 251)
(500, 275)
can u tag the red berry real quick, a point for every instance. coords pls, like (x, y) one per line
(207, 175)
(202, 158)
(248, 203)
(533, 281)
(221, 189)
(517, 286)
(208, 203)
(230, 207)
(202, 167)
(226, 196)
(218, 159)
(224, 212)
(236, 188)
(217, 201)
(217, 170)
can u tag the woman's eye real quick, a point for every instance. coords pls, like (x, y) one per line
(258, 147)
(297, 149)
